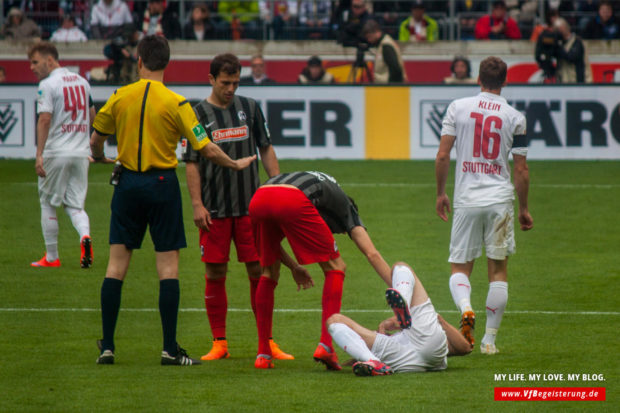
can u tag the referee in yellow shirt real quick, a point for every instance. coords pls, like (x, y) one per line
(148, 120)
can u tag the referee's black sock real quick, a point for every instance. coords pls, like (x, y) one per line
(110, 305)
(169, 294)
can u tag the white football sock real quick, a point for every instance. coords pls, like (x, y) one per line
(403, 281)
(351, 342)
(461, 291)
(49, 225)
(496, 304)
(79, 219)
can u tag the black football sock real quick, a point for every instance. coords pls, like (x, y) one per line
(169, 295)
(110, 305)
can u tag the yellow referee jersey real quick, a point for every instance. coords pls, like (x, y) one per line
(148, 120)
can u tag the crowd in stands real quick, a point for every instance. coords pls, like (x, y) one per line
(404, 20)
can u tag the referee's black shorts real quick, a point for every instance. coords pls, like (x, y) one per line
(150, 198)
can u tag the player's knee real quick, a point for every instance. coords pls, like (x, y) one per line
(334, 318)
(215, 271)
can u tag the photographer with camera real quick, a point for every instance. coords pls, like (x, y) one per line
(388, 66)
(123, 53)
(573, 64)
(349, 23)
(562, 55)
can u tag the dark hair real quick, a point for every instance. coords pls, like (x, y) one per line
(2, 69)
(44, 49)
(371, 26)
(227, 63)
(461, 59)
(155, 52)
(499, 3)
(492, 73)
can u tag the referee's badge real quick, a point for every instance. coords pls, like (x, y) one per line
(241, 116)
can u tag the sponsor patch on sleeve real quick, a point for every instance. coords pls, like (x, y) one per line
(199, 132)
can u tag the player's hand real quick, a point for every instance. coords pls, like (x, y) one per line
(526, 220)
(243, 163)
(38, 167)
(202, 217)
(442, 207)
(391, 324)
(302, 278)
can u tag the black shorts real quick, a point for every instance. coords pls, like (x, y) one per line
(152, 198)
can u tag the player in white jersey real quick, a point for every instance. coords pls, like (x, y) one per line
(485, 129)
(423, 339)
(66, 113)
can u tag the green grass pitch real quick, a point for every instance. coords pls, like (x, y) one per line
(562, 318)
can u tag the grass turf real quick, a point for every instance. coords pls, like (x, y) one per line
(562, 315)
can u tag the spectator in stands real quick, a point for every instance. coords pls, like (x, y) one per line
(161, 21)
(461, 72)
(19, 27)
(281, 16)
(2, 74)
(315, 74)
(350, 23)
(418, 27)
(388, 66)
(389, 14)
(68, 32)
(200, 25)
(467, 11)
(573, 64)
(497, 25)
(258, 76)
(605, 25)
(110, 19)
(314, 19)
(239, 19)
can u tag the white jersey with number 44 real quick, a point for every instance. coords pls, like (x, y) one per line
(487, 129)
(66, 96)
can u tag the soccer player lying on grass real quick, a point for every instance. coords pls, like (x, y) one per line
(423, 343)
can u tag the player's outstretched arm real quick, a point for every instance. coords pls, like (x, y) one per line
(360, 236)
(457, 344)
(442, 169)
(522, 186)
(216, 155)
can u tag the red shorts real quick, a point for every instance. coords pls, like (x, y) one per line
(215, 243)
(279, 212)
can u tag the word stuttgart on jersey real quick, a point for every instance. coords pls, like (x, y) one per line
(74, 127)
(482, 168)
(230, 134)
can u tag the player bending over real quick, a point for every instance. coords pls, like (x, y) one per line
(424, 341)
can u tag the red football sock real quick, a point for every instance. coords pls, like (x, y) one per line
(264, 313)
(216, 303)
(253, 287)
(332, 299)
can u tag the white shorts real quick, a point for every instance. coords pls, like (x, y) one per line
(422, 347)
(66, 181)
(491, 225)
